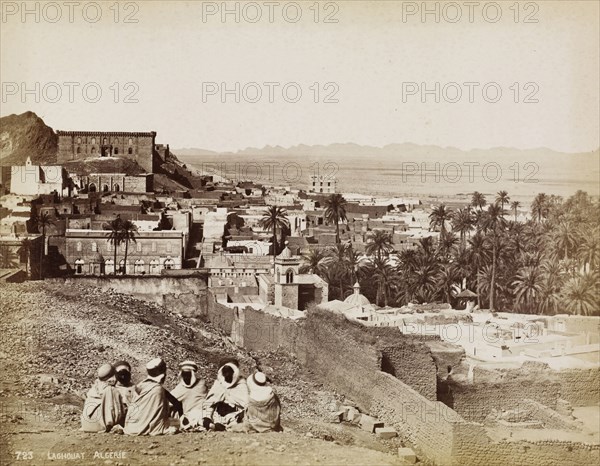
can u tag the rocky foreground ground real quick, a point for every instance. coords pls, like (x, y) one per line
(53, 338)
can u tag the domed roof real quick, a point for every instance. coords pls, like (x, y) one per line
(357, 299)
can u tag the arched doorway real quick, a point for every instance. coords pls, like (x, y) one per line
(79, 263)
(154, 267)
(105, 188)
(139, 266)
(169, 263)
(92, 188)
(116, 187)
(109, 266)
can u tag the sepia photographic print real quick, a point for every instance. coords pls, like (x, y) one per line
(302, 232)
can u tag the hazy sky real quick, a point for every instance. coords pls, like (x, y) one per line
(369, 54)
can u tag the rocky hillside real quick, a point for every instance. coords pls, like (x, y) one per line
(26, 135)
(54, 335)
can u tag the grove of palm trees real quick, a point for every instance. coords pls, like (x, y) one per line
(548, 264)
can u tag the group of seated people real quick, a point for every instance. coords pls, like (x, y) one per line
(233, 403)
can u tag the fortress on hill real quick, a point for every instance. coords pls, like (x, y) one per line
(80, 145)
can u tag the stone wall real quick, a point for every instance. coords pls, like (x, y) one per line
(502, 389)
(258, 331)
(286, 295)
(475, 402)
(399, 360)
(343, 359)
(550, 418)
(348, 358)
(471, 448)
(184, 295)
(222, 317)
(580, 387)
(79, 145)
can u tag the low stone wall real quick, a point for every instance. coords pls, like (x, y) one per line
(503, 389)
(550, 418)
(474, 450)
(476, 401)
(259, 331)
(185, 295)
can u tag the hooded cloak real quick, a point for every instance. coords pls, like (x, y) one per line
(103, 408)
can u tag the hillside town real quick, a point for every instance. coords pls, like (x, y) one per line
(468, 301)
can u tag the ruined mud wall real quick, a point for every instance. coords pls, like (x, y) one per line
(580, 387)
(184, 295)
(351, 364)
(399, 360)
(470, 447)
(222, 317)
(259, 331)
(475, 401)
(503, 389)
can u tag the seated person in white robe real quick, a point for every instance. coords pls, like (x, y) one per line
(124, 385)
(103, 408)
(191, 392)
(227, 399)
(264, 409)
(148, 413)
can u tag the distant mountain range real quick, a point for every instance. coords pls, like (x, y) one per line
(27, 135)
(390, 150)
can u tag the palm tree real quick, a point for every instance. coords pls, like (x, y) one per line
(446, 243)
(426, 249)
(565, 240)
(479, 256)
(502, 198)
(514, 205)
(128, 231)
(380, 243)
(462, 223)
(540, 207)
(114, 238)
(335, 211)
(553, 278)
(43, 221)
(528, 287)
(461, 264)
(493, 222)
(589, 249)
(578, 295)
(339, 264)
(448, 280)
(274, 218)
(385, 276)
(424, 281)
(356, 264)
(407, 260)
(315, 261)
(439, 216)
(478, 200)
